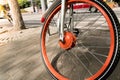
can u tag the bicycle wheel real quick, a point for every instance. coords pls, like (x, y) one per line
(94, 42)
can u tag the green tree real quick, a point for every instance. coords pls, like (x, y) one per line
(38, 2)
(22, 3)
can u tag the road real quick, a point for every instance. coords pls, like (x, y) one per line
(20, 60)
(30, 19)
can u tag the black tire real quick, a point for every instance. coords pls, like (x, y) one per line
(58, 61)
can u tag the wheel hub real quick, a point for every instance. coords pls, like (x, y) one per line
(69, 40)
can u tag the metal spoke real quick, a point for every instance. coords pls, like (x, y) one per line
(93, 54)
(100, 55)
(82, 64)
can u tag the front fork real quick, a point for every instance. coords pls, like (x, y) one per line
(62, 19)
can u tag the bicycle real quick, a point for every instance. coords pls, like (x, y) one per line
(77, 44)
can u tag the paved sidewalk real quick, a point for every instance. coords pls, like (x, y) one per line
(20, 60)
(11, 36)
